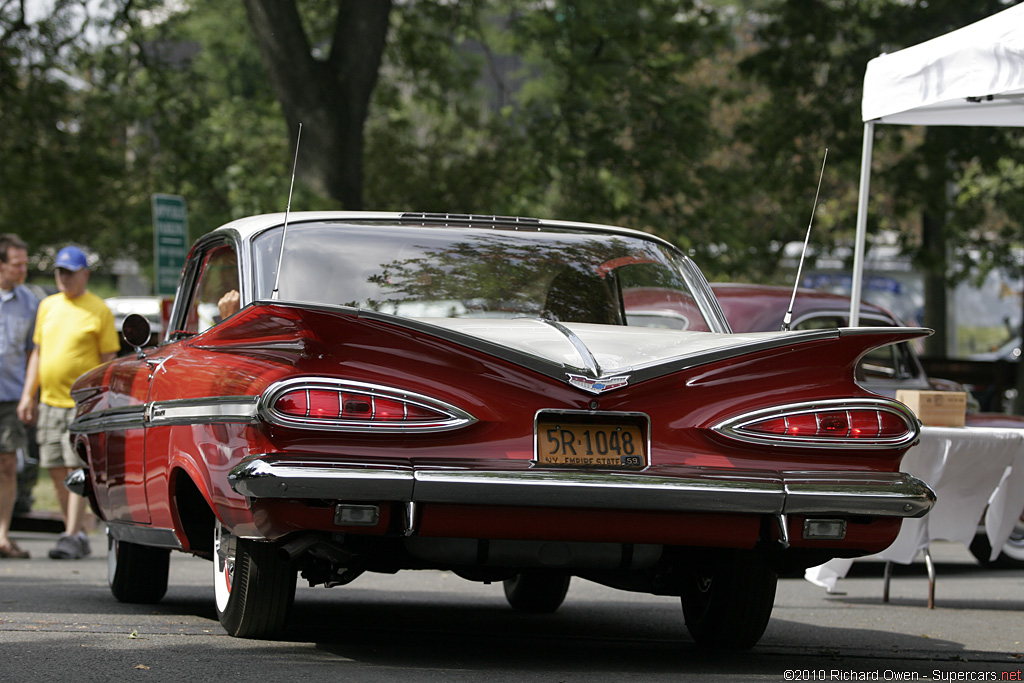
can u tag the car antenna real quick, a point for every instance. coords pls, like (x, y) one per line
(287, 209)
(789, 313)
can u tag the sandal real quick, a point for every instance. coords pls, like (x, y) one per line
(13, 552)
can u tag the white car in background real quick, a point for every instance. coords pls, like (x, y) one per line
(150, 307)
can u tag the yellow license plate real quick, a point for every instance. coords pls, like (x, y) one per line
(590, 445)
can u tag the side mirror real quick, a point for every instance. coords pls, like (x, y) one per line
(136, 331)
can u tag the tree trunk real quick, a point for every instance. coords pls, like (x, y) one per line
(329, 97)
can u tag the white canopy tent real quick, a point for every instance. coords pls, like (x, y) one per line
(973, 76)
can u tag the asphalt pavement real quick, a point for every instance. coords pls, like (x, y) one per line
(58, 621)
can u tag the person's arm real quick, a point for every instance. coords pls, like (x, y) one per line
(104, 357)
(29, 403)
(229, 303)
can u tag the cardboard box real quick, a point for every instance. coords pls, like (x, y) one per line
(936, 408)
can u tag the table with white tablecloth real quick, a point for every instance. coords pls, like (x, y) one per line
(969, 468)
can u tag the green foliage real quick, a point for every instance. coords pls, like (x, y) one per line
(92, 131)
(574, 110)
(704, 122)
(810, 60)
(621, 129)
(59, 155)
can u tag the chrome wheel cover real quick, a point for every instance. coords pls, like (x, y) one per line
(223, 565)
(1014, 546)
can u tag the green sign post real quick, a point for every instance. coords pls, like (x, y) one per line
(170, 241)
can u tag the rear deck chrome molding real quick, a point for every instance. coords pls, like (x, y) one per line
(887, 494)
(589, 361)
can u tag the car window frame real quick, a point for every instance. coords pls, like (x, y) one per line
(191, 278)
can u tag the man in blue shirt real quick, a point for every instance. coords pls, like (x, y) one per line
(17, 322)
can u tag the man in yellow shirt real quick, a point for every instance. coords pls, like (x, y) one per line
(74, 333)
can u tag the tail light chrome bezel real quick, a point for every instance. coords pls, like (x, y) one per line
(448, 416)
(739, 427)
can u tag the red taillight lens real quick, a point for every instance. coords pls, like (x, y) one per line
(323, 403)
(832, 423)
(334, 405)
(356, 406)
(386, 409)
(864, 423)
(802, 425)
(295, 403)
(775, 425)
(344, 406)
(840, 424)
(890, 425)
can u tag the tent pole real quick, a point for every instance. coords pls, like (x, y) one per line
(862, 223)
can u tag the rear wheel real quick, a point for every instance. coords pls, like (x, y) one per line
(727, 603)
(537, 592)
(1012, 555)
(137, 573)
(254, 588)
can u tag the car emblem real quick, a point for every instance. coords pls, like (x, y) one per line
(599, 385)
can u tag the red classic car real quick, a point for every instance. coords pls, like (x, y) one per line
(461, 392)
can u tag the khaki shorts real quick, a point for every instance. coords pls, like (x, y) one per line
(12, 431)
(54, 439)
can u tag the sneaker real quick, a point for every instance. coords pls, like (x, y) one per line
(71, 548)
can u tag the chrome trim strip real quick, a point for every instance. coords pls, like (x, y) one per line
(297, 347)
(911, 332)
(589, 361)
(734, 426)
(267, 477)
(814, 493)
(109, 420)
(621, 491)
(202, 411)
(144, 535)
(783, 525)
(885, 494)
(163, 413)
(411, 519)
(248, 410)
(456, 417)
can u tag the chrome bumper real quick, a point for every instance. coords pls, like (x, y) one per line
(687, 489)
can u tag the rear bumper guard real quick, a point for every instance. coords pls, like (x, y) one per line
(874, 494)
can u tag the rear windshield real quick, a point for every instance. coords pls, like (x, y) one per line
(465, 272)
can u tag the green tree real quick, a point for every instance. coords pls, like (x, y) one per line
(60, 153)
(618, 118)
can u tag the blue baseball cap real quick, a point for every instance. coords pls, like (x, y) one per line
(71, 258)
